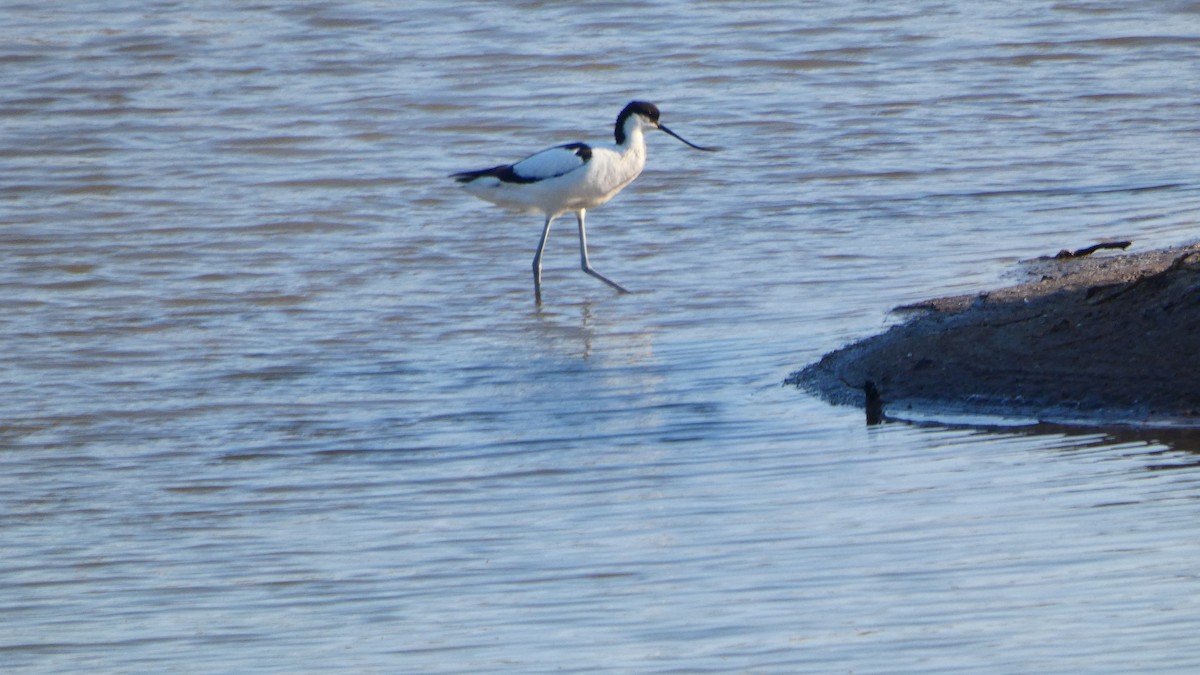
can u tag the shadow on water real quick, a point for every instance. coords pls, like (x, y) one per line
(1157, 440)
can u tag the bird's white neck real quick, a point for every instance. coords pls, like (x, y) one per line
(635, 140)
(630, 159)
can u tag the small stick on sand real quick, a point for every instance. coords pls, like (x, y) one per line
(1064, 254)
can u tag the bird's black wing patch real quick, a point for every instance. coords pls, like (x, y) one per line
(549, 163)
(581, 150)
(504, 173)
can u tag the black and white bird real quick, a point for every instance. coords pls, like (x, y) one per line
(573, 177)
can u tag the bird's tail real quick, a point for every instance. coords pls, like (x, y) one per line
(468, 176)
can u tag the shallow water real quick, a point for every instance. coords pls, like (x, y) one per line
(278, 397)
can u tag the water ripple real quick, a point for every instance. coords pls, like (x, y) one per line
(278, 397)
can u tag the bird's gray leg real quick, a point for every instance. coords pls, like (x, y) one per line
(583, 255)
(537, 259)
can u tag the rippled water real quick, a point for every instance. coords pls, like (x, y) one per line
(277, 396)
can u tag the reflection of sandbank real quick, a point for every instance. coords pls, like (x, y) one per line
(1091, 339)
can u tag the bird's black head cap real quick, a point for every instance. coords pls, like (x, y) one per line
(647, 110)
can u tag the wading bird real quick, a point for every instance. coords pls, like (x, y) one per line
(573, 177)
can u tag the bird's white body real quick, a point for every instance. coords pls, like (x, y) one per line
(571, 178)
(566, 182)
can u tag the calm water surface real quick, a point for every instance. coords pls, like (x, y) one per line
(277, 397)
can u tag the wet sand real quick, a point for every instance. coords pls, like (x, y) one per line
(1095, 339)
